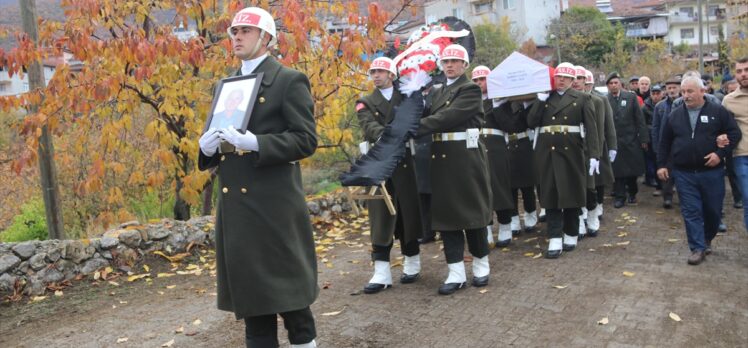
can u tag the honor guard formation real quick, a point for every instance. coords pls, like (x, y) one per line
(464, 171)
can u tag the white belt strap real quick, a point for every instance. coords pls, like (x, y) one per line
(491, 131)
(560, 129)
(456, 136)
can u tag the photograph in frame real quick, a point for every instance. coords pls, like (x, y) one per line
(233, 102)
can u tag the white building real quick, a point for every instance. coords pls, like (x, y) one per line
(684, 21)
(530, 17)
(18, 84)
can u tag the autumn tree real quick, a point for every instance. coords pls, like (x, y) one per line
(135, 68)
(494, 42)
(584, 35)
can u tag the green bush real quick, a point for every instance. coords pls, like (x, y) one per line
(152, 205)
(30, 224)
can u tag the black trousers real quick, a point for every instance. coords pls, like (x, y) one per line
(667, 189)
(591, 199)
(528, 199)
(600, 193)
(562, 221)
(625, 185)
(426, 215)
(382, 252)
(262, 331)
(454, 243)
(504, 216)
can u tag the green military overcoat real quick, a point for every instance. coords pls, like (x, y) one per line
(560, 157)
(498, 156)
(608, 142)
(599, 110)
(265, 255)
(631, 132)
(521, 161)
(374, 113)
(461, 190)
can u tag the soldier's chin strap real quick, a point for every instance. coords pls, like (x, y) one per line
(257, 45)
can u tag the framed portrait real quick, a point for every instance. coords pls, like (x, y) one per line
(233, 102)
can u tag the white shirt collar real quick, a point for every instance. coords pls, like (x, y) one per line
(451, 81)
(485, 96)
(387, 92)
(561, 93)
(248, 66)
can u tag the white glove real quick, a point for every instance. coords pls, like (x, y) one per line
(498, 102)
(594, 166)
(612, 155)
(244, 142)
(209, 142)
(543, 96)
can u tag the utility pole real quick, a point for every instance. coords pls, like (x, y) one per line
(701, 41)
(47, 170)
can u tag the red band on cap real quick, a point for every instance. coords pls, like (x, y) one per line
(449, 53)
(581, 72)
(566, 71)
(380, 64)
(246, 19)
(480, 73)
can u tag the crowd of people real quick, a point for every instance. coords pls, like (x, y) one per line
(560, 151)
(471, 158)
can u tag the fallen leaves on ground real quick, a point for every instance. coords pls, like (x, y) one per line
(122, 340)
(168, 344)
(560, 286)
(674, 316)
(332, 314)
(483, 291)
(628, 274)
(603, 321)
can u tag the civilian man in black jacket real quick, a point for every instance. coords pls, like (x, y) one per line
(689, 136)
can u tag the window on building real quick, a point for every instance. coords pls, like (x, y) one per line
(457, 12)
(686, 11)
(509, 4)
(686, 33)
(482, 7)
(712, 10)
(714, 30)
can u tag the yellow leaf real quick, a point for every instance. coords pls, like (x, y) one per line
(197, 322)
(504, 249)
(673, 240)
(537, 256)
(122, 340)
(530, 254)
(624, 243)
(165, 275)
(113, 283)
(483, 291)
(674, 316)
(179, 329)
(38, 298)
(168, 344)
(146, 268)
(58, 293)
(97, 275)
(530, 239)
(133, 278)
(171, 286)
(628, 274)
(331, 314)
(560, 286)
(603, 321)
(622, 234)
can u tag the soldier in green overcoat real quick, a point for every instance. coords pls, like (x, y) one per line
(265, 257)
(632, 134)
(493, 136)
(609, 146)
(567, 127)
(461, 191)
(374, 112)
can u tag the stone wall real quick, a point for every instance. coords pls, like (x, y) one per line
(36, 264)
